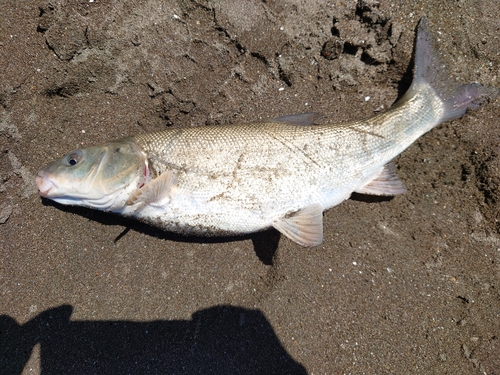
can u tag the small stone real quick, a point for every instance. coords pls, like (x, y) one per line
(5, 214)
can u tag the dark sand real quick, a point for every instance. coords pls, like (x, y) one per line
(406, 285)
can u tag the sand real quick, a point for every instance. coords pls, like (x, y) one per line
(403, 285)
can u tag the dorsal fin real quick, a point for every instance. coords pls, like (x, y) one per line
(156, 192)
(302, 119)
(304, 227)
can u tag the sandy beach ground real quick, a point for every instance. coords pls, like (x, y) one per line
(409, 285)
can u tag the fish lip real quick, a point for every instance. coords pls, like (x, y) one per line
(44, 184)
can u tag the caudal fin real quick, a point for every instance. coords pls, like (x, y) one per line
(430, 70)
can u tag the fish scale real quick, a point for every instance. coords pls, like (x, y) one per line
(262, 171)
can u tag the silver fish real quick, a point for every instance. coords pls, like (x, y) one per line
(281, 173)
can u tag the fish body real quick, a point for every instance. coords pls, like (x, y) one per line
(243, 178)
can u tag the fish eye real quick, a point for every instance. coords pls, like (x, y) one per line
(73, 158)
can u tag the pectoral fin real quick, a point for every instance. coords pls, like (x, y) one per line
(304, 227)
(385, 183)
(156, 192)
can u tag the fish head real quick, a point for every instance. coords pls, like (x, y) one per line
(101, 177)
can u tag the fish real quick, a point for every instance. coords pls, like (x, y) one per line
(281, 173)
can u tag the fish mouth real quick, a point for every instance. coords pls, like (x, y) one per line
(44, 184)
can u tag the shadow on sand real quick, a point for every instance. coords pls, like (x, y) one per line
(218, 340)
(265, 243)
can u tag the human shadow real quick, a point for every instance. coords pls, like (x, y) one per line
(217, 340)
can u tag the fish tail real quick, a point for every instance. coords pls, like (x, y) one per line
(429, 70)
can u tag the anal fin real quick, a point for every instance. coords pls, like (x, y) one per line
(385, 183)
(156, 192)
(304, 227)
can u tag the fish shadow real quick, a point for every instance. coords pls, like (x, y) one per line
(371, 198)
(265, 243)
(218, 340)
